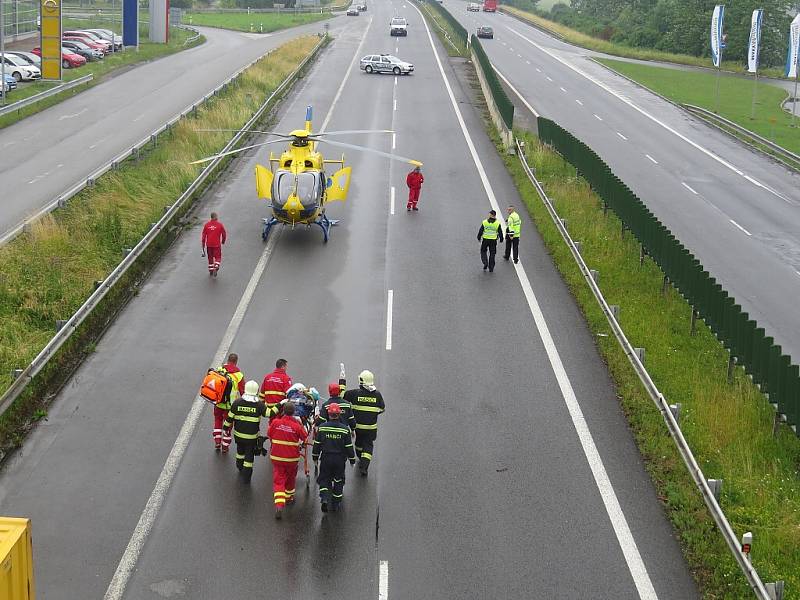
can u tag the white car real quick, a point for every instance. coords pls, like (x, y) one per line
(398, 26)
(473, 7)
(385, 63)
(19, 69)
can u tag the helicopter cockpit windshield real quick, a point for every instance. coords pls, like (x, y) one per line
(307, 187)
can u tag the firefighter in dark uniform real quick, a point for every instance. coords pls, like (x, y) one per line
(367, 403)
(334, 443)
(346, 411)
(245, 417)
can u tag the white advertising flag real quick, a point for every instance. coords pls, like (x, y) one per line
(794, 48)
(755, 41)
(716, 34)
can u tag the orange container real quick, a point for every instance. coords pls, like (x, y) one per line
(16, 560)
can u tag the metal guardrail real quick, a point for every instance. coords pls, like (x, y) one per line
(134, 151)
(190, 40)
(656, 396)
(436, 22)
(786, 156)
(65, 332)
(45, 94)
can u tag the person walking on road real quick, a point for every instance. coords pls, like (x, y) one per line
(211, 241)
(414, 181)
(287, 436)
(513, 229)
(222, 440)
(276, 384)
(367, 404)
(334, 443)
(488, 235)
(245, 418)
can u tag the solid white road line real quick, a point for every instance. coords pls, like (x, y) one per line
(395, 79)
(688, 187)
(653, 160)
(513, 89)
(633, 559)
(391, 202)
(130, 557)
(395, 105)
(643, 112)
(622, 136)
(383, 581)
(394, 140)
(346, 77)
(740, 227)
(389, 304)
(579, 102)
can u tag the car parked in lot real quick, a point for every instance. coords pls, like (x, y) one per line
(19, 69)
(69, 60)
(82, 49)
(485, 32)
(385, 63)
(10, 83)
(101, 48)
(28, 57)
(88, 38)
(398, 26)
(108, 36)
(474, 7)
(353, 11)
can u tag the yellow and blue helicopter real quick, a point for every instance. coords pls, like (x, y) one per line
(297, 185)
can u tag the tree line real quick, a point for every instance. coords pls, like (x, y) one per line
(679, 26)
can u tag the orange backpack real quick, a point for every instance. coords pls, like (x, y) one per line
(216, 386)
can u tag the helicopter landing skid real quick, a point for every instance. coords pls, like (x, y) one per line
(325, 224)
(268, 223)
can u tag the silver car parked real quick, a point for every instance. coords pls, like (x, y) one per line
(385, 63)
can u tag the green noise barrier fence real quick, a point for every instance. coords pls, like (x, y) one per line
(761, 358)
(501, 99)
(458, 28)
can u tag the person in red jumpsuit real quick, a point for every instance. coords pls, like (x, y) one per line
(287, 436)
(211, 241)
(276, 384)
(414, 182)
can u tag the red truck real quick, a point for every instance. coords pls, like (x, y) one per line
(489, 5)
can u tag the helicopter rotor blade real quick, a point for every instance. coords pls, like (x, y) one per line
(349, 132)
(283, 135)
(397, 157)
(210, 158)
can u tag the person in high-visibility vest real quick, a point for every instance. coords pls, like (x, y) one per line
(513, 229)
(489, 234)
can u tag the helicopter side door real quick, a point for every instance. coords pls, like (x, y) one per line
(338, 184)
(264, 179)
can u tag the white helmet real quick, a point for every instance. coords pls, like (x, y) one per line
(366, 378)
(251, 388)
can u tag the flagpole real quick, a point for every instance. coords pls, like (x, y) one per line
(794, 104)
(719, 68)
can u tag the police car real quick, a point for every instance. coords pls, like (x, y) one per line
(385, 63)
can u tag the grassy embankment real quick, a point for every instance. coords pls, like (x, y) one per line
(735, 98)
(100, 69)
(592, 43)
(451, 41)
(254, 22)
(47, 274)
(728, 426)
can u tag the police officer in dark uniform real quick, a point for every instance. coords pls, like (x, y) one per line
(245, 418)
(334, 443)
(489, 234)
(367, 404)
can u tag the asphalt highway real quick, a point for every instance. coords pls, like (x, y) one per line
(736, 210)
(46, 154)
(503, 466)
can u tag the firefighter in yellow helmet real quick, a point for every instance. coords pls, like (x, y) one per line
(367, 403)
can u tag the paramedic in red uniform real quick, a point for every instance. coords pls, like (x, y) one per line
(287, 435)
(414, 182)
(213, 237)
(276, 384)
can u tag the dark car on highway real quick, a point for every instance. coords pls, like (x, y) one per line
(485, 32)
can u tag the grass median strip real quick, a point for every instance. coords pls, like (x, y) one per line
(45, 275)
(100, 69)
(253, 22)
(735, 98)
(728, 426)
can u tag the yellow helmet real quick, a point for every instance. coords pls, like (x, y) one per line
(366, 378)
(251, 388)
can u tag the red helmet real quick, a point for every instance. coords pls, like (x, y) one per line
(334, 389)
(334, 410)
